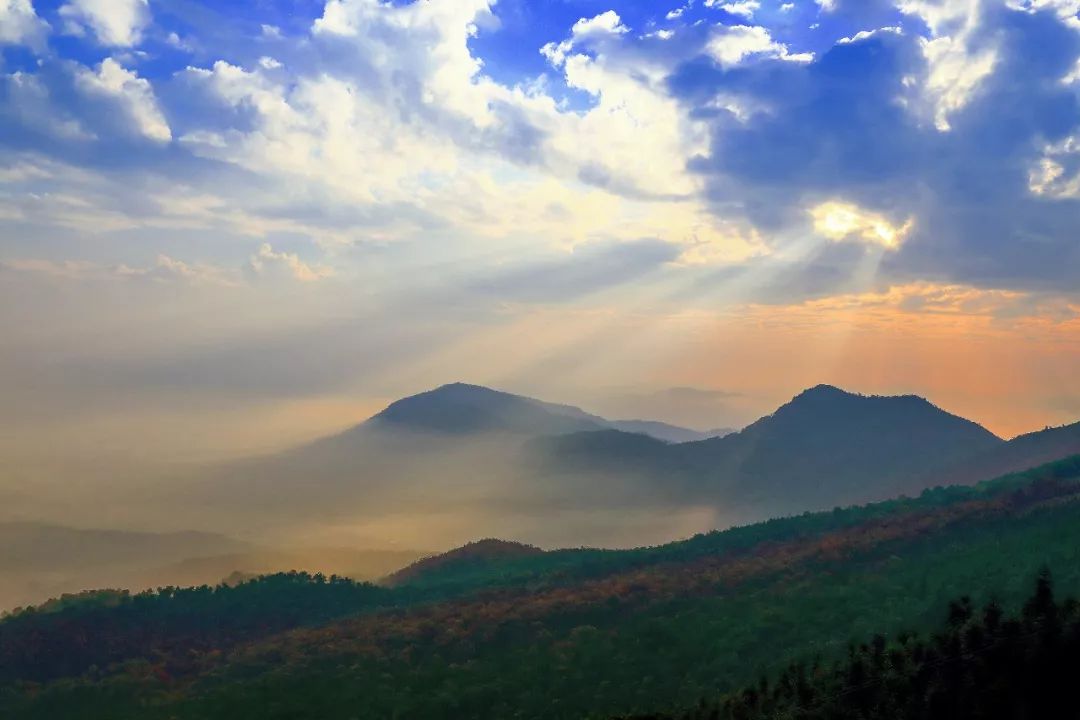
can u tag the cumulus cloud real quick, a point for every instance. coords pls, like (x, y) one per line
(866, 34)
(267, 261)
(114, 23)
(134, 94)
(731, 44)
(19, 24)
(744, 8)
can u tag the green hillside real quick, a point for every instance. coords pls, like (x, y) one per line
(552, 635)
(980, 663)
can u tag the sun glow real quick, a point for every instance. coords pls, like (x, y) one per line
(840, 221)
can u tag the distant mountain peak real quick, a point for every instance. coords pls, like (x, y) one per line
(459, 408)
(822, 390)
(824, 393)
(462, 408)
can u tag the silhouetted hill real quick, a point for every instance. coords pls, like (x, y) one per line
(464, 409)
(830, 447)
(825, 447)
(460, 408)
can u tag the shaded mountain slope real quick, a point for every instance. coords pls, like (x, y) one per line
(1017, 454)
(831, 447)
(825, 447)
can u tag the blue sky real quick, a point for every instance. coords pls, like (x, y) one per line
(568, 197)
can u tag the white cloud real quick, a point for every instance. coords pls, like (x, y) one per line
(865, 34)
(134, 94)
(267, 261)
(19, 24)
(178, 42)
(956, 63)
(731, 44)
(1056, 174)
(607, 23)
(955, 73)
(401, 135)
(115, 23)
(745, 8)
(425, 128)
(1067, 10)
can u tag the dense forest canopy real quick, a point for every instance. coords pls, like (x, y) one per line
(981, 663)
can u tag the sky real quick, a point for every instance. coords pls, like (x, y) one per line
(228, 228)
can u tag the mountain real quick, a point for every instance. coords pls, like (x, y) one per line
(463, 409)
(551, 474)
(830, 447)
(1017, 454)
(825, 447)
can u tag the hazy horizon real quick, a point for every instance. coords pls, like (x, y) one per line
(233, 230)
(228, 231)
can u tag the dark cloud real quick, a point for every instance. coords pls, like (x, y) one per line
(837, 128)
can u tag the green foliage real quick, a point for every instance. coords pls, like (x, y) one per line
(554, 635)
(95, 630)
(979, 664)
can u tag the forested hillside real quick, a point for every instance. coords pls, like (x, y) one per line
(549, 635)
(981, 663)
